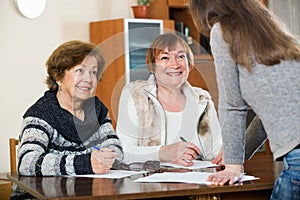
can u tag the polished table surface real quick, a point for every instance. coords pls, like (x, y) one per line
(96, 188)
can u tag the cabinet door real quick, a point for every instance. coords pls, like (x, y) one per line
(109, 35)
(139, 35)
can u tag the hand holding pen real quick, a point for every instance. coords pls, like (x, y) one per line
(181, 153)
(196, 151)
(102, 159)
(199, 156)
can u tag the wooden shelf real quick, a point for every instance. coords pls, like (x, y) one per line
(177, 10)
(178, 3)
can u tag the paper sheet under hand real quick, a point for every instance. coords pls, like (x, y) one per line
(197, 165)
(113, 174)
(187, 177)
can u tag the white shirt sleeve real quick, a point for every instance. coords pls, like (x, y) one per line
(128, 132)
(215, 132)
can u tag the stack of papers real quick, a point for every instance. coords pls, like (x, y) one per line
(176, 177)
(187, 177)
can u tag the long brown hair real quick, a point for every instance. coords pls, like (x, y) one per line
(253, 33)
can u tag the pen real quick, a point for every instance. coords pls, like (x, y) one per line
(97, 148)
(182, 139)
(199, 157)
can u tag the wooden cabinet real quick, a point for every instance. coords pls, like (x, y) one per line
(114, 40)
(176, 10)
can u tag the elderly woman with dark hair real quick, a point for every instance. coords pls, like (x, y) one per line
(62, 131)
(68, 130)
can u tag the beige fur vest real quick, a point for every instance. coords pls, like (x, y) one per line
(151, 115)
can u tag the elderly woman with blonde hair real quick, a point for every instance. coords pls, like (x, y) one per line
(165, 118)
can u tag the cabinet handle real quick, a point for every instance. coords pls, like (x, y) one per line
(215, 197)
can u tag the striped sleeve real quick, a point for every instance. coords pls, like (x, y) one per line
(38, 155)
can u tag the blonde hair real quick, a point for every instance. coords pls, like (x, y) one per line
(167, 40)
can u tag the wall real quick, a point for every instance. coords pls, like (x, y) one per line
(27, 43)
(288, 12)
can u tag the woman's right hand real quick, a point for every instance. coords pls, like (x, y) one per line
(102, 160)
(181, 153)
(231, 174)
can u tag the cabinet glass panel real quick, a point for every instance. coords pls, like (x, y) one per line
(139, 35)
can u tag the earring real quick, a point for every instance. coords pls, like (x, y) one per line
(59, 86)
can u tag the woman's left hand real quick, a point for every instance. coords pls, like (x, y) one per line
(231, 174)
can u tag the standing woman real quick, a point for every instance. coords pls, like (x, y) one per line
(258, 65)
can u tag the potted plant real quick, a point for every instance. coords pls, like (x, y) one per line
(140, 10)
(143, 2)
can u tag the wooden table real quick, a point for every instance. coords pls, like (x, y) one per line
(89, 188)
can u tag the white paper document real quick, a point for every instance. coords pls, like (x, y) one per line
(197, 165)
(187, 177)
(113, 174)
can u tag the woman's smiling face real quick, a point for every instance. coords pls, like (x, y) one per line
(172, 67)
(80, 82)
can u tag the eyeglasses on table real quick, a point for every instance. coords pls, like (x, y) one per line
(149, 165)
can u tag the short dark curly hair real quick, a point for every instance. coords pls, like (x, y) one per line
(68, 55)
